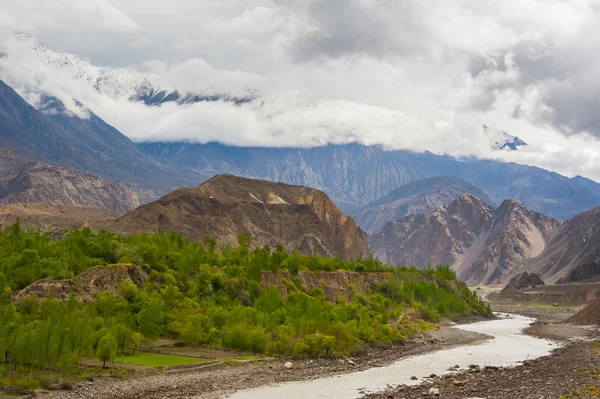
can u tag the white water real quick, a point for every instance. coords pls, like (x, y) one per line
(508, 347)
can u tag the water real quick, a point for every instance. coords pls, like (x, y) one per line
(508, 347)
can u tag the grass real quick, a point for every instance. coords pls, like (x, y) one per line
(155, 359)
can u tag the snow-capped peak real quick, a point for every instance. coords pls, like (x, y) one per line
(500, 140)
(124, 82)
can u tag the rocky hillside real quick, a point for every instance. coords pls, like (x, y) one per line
(88, 285)
(483, 244)
(225, 206)
(8, 159)
(523, 281)
(576, 244)
(583, 272)
(420, 196)
(34, 182)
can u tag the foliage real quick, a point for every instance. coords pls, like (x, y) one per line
(202, 295)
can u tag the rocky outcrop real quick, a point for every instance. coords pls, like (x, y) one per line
(587, 316)
(576, 244)
(585, 272)
(35, 182)
(420, 196)
(523, 281)
(87, 286)
(8, 159)
(335, 285)
(223, 207)
(483, 244)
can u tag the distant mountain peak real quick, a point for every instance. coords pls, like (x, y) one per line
(502, 140)
(127, 83)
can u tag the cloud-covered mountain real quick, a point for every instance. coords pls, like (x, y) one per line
(125, 82)
(59, 137)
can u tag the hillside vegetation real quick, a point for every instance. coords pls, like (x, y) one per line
(200, 294)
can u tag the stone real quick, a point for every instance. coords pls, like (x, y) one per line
(434, 392)
(414, 378)
(288, 365)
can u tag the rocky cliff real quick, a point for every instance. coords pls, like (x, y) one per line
(483, 244)
(299, 217)
(420, 196)
(576, 244)
(35, 182)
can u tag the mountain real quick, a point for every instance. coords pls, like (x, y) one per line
(42, 216)
(576, 244)
(354, 175)
(223, 207)
(34, 182)
(8, 159)
(503, 141)
(482, 243)
(58, 137)
(416, 197)
(126, 83)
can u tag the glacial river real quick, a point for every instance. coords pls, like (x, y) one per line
(507, 347)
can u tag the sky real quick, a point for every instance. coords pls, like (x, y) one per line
(410, 74)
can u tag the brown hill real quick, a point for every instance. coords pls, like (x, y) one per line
(41, 215)
(588, 315)
(419, 196)
(34, 182)
(483, 244)
(299, 217)
(577, 243)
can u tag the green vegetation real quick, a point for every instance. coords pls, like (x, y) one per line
(203, 295)
(157, 359)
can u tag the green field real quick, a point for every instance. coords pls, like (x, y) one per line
(154, 359)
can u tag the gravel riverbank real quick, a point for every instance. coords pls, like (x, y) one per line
(217, 383)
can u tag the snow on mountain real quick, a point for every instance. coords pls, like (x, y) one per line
(125, 82)
(502, 141)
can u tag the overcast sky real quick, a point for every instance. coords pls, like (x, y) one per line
(422, 75)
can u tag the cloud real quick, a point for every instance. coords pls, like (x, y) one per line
(405, 74)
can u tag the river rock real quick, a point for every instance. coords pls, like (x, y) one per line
(434, 392)
(288, 365)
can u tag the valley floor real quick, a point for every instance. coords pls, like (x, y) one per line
(215, 384)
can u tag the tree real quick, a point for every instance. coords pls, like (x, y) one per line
(107, 349)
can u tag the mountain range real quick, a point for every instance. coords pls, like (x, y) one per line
(420, 196)
(483, 244)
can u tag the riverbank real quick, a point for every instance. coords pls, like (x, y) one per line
(238, 376)
(572, 369)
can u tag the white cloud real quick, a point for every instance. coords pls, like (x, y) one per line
(405, 74)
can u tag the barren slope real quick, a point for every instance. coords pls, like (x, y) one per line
(299, 217)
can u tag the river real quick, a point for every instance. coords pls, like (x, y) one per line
(507, 347)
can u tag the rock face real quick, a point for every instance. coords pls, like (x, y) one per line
(8, 159)
(576, 244)
(34, 182)
(87, 286)
(420, 196)
(523, 281)
(482, 243)
(584, 272)
(299, 217)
